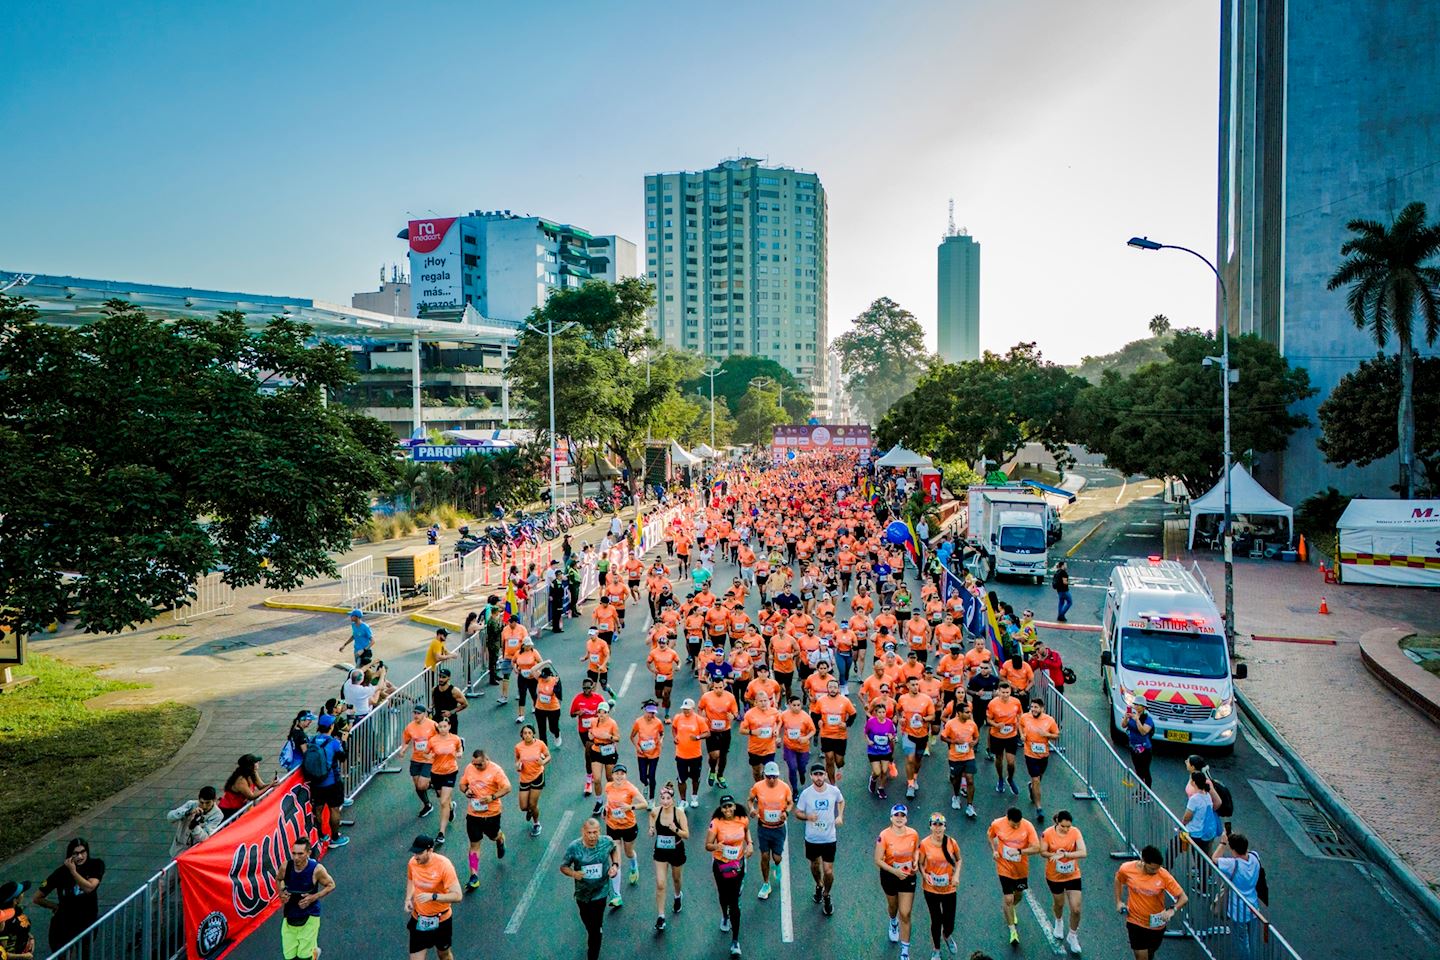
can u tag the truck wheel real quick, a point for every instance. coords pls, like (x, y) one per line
(1039, 579)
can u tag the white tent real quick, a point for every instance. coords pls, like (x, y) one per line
(1247, 499)
(1394, 542)
(705, 451)
(681, 457)
(901, 459)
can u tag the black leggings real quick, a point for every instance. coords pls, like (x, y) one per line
(942, 916)
(1140, 759)
(547, 719)
(647, 773)
(527, 684)
(592, 915)
(729, 890)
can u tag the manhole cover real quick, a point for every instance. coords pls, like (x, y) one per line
(1304, 822)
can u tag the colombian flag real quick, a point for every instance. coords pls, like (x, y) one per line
(512, 602)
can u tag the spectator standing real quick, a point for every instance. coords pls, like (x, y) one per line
(361, 636)
(75, 885)
(322, 772)
(195, 820)
(437, 653)
(243, 785)
(1241, 866)
(1061, 584)
(1201, 821)
(292, 752)
(494, 626)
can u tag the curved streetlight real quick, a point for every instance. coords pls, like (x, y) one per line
(550, 332)
(712, 374)
(1226, 378)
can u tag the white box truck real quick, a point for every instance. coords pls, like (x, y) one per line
(1162, 644)
(1013, 527)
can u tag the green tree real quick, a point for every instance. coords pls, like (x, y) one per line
(987, 407)
(1166, 419)
(140, 455)
(883, 357)
(734, 379)
(760, 411)
(1391, 279)
(1358, 419)
(1159, 325)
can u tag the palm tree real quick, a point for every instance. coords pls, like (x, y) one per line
(1159, 325)
(1390, 280)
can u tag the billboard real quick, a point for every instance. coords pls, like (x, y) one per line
(822, 437)
(435, 266)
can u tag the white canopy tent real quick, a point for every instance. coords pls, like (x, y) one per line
(681, 457)
(1395, 542)
(901, 459)
(1247, 499)
(705, 451)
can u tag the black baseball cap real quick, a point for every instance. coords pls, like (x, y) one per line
(421, 843)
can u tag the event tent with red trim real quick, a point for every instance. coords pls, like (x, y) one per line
(1395, 542)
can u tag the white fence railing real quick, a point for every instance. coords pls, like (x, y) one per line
(210, 595)
(356, 579)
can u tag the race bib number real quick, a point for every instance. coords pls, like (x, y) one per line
(421, 745)
(882, 740)
(594, 658)
(1011, 854)
(618, 813)
(763, 733)
(587, 722)
(917, 721)
(793, 733)
(938, 879)
(546, 698)
(718, 724)
(833, 719)
(1157, 921)
(647, 744)
(1006, 729)
(664, 843)
(477, 804)
(1064, 866)
(730, 851)
(593, 871)
(606, 749)
(1040, 748)
(424, 924)
(772, 816)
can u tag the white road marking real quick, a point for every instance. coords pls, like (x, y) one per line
(560, 837)
(625, 684)
(1046, 921)
(1260, 748)
(787, 911)
(1123, 484)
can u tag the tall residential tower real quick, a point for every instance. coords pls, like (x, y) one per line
(958, 309)
(737, 256)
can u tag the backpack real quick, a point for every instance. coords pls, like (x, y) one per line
(1262, 886)
(287, 755)
(316, 764)
(1227, 803)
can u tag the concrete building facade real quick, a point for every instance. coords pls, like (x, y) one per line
(958, 297)
(737, 254)
(1328, 112)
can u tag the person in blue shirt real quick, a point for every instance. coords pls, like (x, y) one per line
(1201, 821)
(360, 635)
(329, 790)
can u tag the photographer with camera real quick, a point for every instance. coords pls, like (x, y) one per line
(195, 820)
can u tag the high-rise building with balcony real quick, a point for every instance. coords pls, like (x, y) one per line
(737, 254)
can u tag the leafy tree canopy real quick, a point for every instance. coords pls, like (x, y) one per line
(141, 455)
(1358, 420)
(991, 406)
(1166, 419)
(882, 357)
(1128, 358)
(734, 379)
(760, 411)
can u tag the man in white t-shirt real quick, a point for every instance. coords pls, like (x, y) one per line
(822, 807)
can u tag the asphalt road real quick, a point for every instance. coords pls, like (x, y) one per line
(525, 908)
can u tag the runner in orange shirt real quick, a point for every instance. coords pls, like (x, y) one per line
(483, 783)
(728, 840)
(444, 748)
(836, 714)
(634, 570)
(1140, 889)
(647, 734)
(532, 756)
(597, 660)
(897, 854)
(783, 653)
(690, 730)
(662, 662)
(1002, 716)
(940, 863)
(1021, 676)
(1012, 841)
(763, 683)
(720, 710)
(915, 711)
(1039, 731)
(431, 886)
(416, 735)
(620, 801)
(1063, 848)
(797, 732)
(951, 670)
(963, 737)
(770, 802)
(762, 724)
(602, 751)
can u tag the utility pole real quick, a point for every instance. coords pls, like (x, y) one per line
(712, 374)
(550, 333)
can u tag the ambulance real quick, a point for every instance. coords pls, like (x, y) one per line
(1163, 642)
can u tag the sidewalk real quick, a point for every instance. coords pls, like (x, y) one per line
(1315, 693)
(249, 671)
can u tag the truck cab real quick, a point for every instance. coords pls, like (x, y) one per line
(1163, 642)
(1019, 543)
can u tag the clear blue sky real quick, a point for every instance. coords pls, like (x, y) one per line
(278, 147)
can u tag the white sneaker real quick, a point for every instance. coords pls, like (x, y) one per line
(1057, 929)
(895, 930)
(694, 801)
(970, 810)
(1073, 942)
(558, 744)
(725, 924)
(954, 803)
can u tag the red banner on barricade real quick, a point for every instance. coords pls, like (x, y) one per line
(230, 883)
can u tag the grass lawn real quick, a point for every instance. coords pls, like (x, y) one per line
(61, 757)
(1429, 649)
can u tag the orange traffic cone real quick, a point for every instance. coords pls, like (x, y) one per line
(1324, 607)
(1300, 550)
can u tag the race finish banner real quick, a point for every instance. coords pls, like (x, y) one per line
(821, 437)
(231, 883)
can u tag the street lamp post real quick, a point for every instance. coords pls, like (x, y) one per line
(712, 374)
(550, 333)
(1226, 378)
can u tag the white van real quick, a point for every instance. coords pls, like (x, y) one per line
(1163, 641)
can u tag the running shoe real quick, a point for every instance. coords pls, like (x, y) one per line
(954, 803)
(502, 701)
(1039, 813)
(474, 882)
(1011, 783)
(883, 794)
(952, 946)
(1014, 935)
(677, 903)
(339, 842)
(734, 948)
(1057, 929)
(534, 829)
(764, 893)
(426, 810)
(520, 719)
(970, 810)
(935, 955)
(894, 930)
(712, 778)
(659, 924)
(1073, 942)
(558, 743)
(440, 839)
(904, 951)
(819, 893)
(500, 849)
(633, 877)
(910, 790)
(694, 802)
(616, 902)
(725, 924)
(999, 786)
(720, 782)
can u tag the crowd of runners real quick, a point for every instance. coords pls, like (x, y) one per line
(844, 675)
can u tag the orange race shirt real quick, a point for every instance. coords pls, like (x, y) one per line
(444, 748)
(530, 760)
(620, 797)
(418, 734)
(482, 788)
(796, 729)
(1012, 840)
(690, 732)
(1063, 869)
(1146, 897)
(436, 876)
(1032, 729)
(937, 873)
(730, 835)
(719, 706)
(962, 736)
(647, 733)
(834, 712)
(763, 726)
(771, 804)
(898, 847)
(1003, 717)
(916, 712)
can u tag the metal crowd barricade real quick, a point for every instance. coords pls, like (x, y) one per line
(1140, 819)
(211, 595)
(356, 579)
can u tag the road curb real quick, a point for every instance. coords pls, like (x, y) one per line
(1375, 848)
(272, 604)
